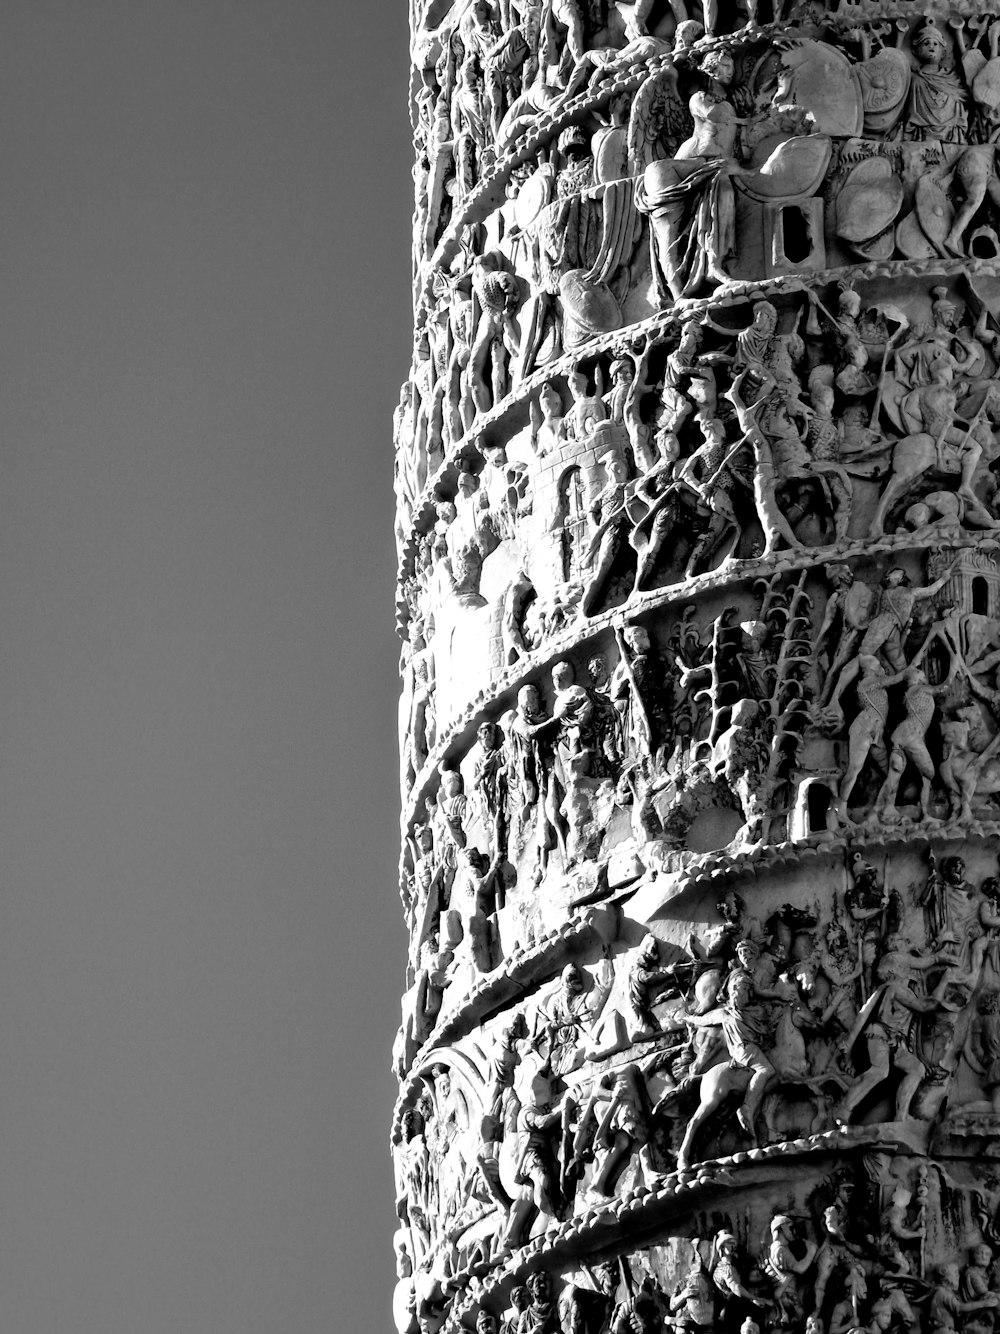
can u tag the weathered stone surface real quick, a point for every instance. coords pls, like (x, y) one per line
(699, 593)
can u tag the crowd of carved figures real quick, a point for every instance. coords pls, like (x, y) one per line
(877, 1014)
(698, 518)
(772, 156)
(753, 432)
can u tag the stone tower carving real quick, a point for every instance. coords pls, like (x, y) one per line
(699, 593)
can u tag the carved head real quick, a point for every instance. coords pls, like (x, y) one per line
(980, 1255)
(930, 45)
(748, 952)
(539, 1287)
(562, 676)
(946, 312)
(753, 634)
(948, 1275)
(514, 1031)
(713, 430)
(520, 1298)
(485, 1323)
(882, 1314)
(549, 399)
(649, 951)
(528, 700)
(616, 468)
(718, 65)
(687, 33)
(953, 871)
(637, 639)
(849, 302)
(744, 712)
(765, 317)
(474, 859)
(836, 937)
(488, 734)
(895, 578)
(571, 979)
(598, 670)
(622, 371)
(451, 782)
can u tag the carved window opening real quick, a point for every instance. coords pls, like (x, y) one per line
(980, 596)
(570, 495)
(984, 244)
(796, 234)
(573, 518)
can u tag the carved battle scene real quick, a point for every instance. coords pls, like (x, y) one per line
(699, 599)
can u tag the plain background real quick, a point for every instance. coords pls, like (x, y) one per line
(204, 320)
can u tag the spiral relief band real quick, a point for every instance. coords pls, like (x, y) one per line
(699, 599)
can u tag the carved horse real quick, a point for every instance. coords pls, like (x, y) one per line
(724, 1080)
(922, 453)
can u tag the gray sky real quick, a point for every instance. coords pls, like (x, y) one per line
(205, 318)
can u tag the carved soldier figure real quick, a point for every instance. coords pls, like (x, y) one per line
(746, 1029)
(692, 1303)
(520, 1300)
(623, 1128)
(610, 520)
(535, 1173)
(844, 620)
(838, 1254)
(946, 1304)
(636, 690)
(938, 105)
(726, 1276)
(645, 977)
(490, 782)
(786, 1267)
(541, 1316)
(886, 1022)
(909, 743)
(532, 780)
(570, 1015)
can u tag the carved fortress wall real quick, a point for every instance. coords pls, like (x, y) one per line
(699, 596)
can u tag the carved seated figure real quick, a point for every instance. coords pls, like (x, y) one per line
(690, 197)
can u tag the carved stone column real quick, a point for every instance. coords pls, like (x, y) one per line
(699, 592)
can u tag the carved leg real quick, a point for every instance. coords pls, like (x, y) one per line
(895, 487)
(915, 1072)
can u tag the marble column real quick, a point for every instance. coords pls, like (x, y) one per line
(699, 598)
